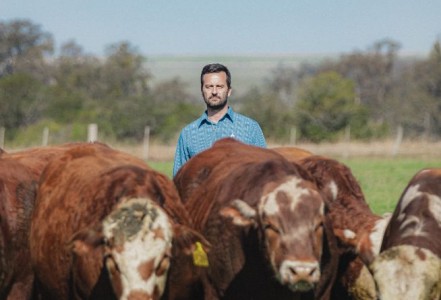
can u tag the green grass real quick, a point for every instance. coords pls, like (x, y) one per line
(382, 179)
(165, 167)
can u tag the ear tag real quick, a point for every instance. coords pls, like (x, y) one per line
(200, 258)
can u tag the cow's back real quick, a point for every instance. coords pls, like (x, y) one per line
(236, 153)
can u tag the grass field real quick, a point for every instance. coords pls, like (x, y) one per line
(382, 179)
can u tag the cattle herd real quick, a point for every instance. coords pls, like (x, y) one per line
(86, 221)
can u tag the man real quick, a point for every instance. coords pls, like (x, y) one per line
(218, 121)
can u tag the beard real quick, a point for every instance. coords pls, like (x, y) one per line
(216, 105)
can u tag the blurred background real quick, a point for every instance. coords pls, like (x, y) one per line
(310, 73)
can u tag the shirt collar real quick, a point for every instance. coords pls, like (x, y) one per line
(228, 115)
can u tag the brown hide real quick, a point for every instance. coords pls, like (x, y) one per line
(347, 206)
(292, 153)
(17, 196)
(208, 183)
(37, 158)
(200, 170)
(32, 161)
(77, 191)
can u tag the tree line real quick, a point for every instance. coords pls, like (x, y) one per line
(372, 92)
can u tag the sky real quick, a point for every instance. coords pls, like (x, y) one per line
(234, 27)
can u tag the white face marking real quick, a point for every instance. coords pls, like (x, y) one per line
(291, 188)
(298, 274)
(308, 271)
(138, 244)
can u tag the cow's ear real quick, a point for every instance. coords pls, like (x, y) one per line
(84, 241)
(185, 239)
(240, 213)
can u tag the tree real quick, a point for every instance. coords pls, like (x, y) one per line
(22, 100)
(273, 114)
(373, 74)
(327, 105)
(427, 76)
(123, 71)
(23, 47)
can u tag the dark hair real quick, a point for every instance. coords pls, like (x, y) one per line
(215, 68)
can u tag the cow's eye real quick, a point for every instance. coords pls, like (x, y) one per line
(318, 226)
(163, 265)
(271, 227)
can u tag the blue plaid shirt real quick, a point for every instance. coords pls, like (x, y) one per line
(202, 133)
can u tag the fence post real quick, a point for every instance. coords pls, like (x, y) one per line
(398, 140)
(347, 141)
(92, 132)
(45, 139)
(293, 135)
(145, 145)
(2, 137)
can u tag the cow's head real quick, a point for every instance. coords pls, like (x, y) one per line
(137, 243)
(407, 272)
(409, 265)
(289, 217)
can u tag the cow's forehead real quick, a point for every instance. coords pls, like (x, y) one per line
(141, 236)
(294, 191)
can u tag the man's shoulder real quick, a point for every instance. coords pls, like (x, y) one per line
(192, 125)
(242, 118)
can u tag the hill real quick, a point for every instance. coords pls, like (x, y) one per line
(246, 71)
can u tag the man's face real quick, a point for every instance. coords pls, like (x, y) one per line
(215, 90)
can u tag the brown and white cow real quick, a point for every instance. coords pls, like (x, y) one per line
(19, 175)
(265, 220)
(409, 265)
(358, 230)
(103, 227)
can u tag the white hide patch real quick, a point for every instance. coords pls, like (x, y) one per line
(411, 193)
(291, 188)
(142, 233)
(349, 234)
(334, 190)
(435, 207)
(434, 203)
(407, 272)
(416, 230)
(376, 236)
(247, 211)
